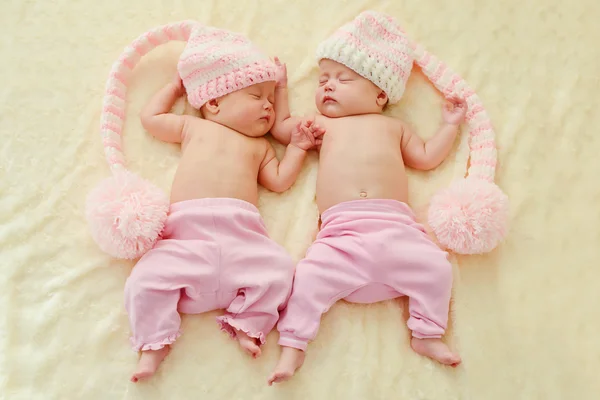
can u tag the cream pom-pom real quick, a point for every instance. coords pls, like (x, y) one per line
(126, 215)
(469, 217)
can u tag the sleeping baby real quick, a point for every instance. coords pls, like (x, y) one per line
(370, 247)
(215, 251)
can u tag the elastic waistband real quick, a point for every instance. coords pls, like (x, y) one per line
(369, 205)
(214, 203)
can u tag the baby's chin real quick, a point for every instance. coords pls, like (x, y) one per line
(257, 131)
(331, 110)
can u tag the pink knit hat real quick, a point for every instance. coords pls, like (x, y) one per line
(216, 62)
(471, 215)
(127, 213)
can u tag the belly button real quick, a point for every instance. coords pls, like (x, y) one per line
(363, 194)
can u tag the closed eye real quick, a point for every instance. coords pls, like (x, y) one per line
(256, 96)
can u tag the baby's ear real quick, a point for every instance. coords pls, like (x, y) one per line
(382, 99)
(212, 106)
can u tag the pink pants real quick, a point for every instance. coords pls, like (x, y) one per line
(369, 251)
(215, 253)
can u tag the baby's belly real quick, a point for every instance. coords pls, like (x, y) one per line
(336, 186)
(194, 182)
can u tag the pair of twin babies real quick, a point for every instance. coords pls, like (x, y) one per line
(215, 253)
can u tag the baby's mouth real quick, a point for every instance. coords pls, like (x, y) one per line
(328, 99)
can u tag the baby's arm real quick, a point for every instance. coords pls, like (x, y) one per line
(284, 122)
(277, 175)
(427, 155)
(156, 117)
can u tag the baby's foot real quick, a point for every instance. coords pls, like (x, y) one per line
(290, 360)
(436, 350)
(149, 362)
(248, 343)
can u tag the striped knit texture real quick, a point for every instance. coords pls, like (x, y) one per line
(375, 46)
(115, 98)
(214, 63)
(482, 144)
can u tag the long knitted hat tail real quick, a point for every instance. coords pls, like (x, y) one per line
(126, 214)
(470, 216)
(482, 145)
(114, 104)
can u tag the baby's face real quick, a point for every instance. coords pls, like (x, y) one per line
(343, 92)
(248, 111)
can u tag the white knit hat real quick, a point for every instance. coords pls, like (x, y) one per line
(375, 47)
(471, 216)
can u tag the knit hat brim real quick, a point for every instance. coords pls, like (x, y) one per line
(237, 79)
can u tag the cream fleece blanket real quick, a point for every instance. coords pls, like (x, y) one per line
(525, 318)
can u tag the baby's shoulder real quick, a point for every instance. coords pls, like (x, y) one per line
(259, 147)
(390, 119)
(394, 123)
(256, 144)
(198, 123)
(206, 128)
(261, 141)
(194, 125)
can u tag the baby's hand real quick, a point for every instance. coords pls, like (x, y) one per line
(454, 111)
(315, 130)
(281, 74)
(307, 135)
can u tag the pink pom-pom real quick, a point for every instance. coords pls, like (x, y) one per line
(469, 217)
(126, 215)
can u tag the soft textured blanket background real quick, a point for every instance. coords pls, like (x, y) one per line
(525, 318)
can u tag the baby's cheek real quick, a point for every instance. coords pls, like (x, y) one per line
(246, 110)
(318, 95)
